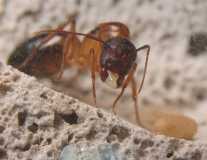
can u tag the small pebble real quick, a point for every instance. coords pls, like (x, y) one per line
(69, 152)
(106, 152)
(102, 152)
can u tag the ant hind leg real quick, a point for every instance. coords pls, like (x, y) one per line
(46, 40)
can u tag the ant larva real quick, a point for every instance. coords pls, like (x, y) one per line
(106, 50)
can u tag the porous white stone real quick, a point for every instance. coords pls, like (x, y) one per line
(172, 77)
(37, 123)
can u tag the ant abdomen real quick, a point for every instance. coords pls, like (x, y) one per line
(117, 57)
(47, 61)
(22, 51)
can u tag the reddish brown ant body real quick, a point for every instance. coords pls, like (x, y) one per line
(106, 50)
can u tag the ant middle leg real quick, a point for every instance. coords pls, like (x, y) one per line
(71, 46)
(93, 73)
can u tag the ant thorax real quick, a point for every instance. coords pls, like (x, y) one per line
(117, 57)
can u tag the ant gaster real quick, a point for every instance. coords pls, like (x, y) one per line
(107, 50)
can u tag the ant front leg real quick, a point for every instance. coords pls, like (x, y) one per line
(125, 84)
(136, 91)
(93, 73)
(147, 47)
(135, 99)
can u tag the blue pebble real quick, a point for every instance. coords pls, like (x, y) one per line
(69, 152)
(106, 152)
(102, 152)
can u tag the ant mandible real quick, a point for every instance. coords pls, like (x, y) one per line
(106, 49)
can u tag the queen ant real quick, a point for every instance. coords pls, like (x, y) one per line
(106, 50)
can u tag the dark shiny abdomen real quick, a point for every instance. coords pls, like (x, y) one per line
(47, 60)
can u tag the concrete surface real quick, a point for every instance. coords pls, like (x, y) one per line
(166, 25)
(175, 79)
(37, 122)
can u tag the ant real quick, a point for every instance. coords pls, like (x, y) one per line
(106, 50)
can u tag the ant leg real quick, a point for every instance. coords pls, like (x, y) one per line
(125, 84)
(145, 65)
(45, 40)
(93, 73)
(71, 21)
(135, 99)
(65, 51)
(67, 48)
(28, 59)
(34, 50)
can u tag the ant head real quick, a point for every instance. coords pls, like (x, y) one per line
(117, 57)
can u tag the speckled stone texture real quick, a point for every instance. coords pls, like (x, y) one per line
(164, 24)
(37, 122)
(176, 77)
(172, 78)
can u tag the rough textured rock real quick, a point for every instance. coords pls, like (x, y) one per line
(168, 26)
(37, 122)
(172, 28)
